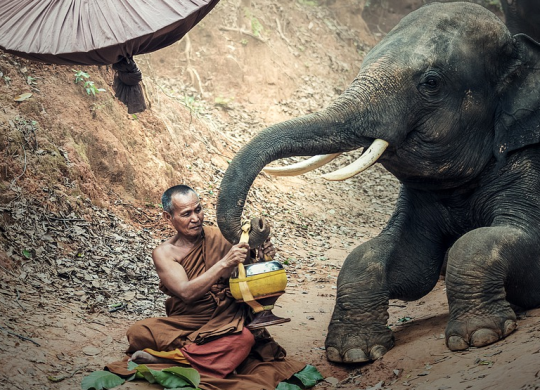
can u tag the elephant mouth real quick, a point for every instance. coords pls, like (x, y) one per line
(367, 159)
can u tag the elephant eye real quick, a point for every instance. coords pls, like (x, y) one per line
(430, 84)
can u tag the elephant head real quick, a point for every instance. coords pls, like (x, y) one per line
(445, 93)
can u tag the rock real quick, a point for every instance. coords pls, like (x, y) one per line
(91, 351)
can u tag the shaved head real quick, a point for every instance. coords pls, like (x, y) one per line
(166, 198)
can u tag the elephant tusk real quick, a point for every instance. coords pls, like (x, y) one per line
(303, 166)
(367, 159)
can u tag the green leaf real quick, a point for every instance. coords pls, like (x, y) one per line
(131, 365)
(404, 319)
(309, 376)
(27, 254)
(99, 380)
(190, 375)
(145, 372)
(287, 386)
(169, 380)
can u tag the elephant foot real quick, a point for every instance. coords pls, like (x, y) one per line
(349, 344)
(478, 331)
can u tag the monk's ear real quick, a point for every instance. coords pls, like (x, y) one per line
(166, 216)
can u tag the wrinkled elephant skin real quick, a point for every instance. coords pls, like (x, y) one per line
(454, 96)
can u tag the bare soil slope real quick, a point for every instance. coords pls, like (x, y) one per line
(80, 182)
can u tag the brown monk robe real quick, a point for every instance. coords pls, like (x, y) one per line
(210, 333)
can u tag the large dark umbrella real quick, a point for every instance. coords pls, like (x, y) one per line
(98, 32)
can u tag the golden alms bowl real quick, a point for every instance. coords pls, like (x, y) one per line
(264, 279)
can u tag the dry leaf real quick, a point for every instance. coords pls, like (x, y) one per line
(22, 97)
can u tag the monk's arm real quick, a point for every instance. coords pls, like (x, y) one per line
(174, 277)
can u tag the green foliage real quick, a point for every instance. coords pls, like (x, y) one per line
(190, 375)
(304, 379)
(256, 27)
(170, 378)
(404, 319)
(287, 386)
(31, 80)
(80, 76)
(99, 380)
(89, 86)
(309, 376)
(6, 79)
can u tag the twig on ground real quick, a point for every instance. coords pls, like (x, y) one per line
(441, 359)
(242, 32)
(281, 32)
(18, 297)
(20, 336)
(68, 219)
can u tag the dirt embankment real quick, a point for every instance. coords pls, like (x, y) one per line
(80, 181)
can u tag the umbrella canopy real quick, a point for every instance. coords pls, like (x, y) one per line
(98, 32)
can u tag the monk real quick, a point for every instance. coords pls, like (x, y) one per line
(204, 327)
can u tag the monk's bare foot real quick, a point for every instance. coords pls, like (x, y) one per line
(141, 357)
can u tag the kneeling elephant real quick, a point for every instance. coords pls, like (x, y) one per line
(449, 103)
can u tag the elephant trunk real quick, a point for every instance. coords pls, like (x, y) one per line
(318, 133)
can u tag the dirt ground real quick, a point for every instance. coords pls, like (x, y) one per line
(80, 182)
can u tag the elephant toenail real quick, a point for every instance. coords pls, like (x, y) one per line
(456, 343)
(377, 352)
(333, 355)
(483, 337)
(355, 355)
(509, 327)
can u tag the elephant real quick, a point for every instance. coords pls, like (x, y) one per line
(448, 102)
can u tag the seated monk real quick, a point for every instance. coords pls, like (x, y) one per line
(204, 327)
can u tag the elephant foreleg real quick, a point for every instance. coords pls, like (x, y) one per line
(373, 273)
(358, 331)
(487, 267)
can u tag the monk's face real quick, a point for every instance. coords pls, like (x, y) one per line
(187, 216)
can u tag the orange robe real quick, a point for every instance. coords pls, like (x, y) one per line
(210, 333)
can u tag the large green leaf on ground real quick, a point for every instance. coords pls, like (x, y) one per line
(144, 372)
(99, 380)
(309, 376)
(304, 379)
(190, 375)
(169, 380)
(287, 386)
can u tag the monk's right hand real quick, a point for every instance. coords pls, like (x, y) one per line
(236, 255)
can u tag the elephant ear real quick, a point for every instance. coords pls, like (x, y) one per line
(518, 122)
